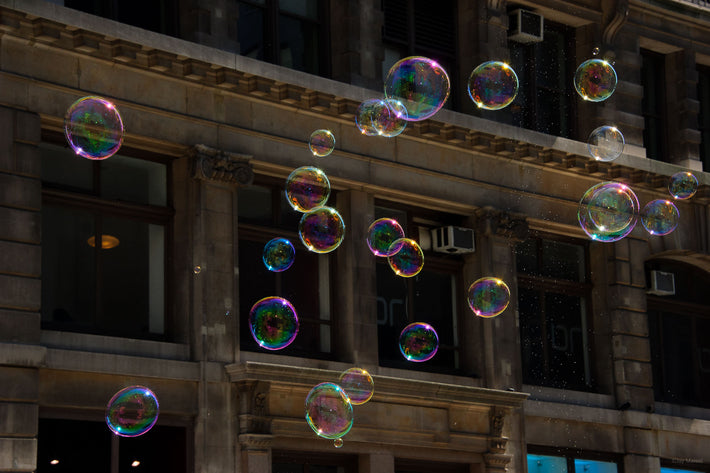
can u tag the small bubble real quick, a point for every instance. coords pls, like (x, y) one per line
(228, 313)
(595, 51)
(197, 269)
(338, 443)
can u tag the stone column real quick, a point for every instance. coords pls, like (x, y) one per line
(255, 439)
(381, 462)
(496, 356)
(356, 313)
(20, 288)
(212, 206)
(642, 463)
(684, 136)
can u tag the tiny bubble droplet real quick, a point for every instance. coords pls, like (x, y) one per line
(595, 51)
(197, 269)
(338, 443)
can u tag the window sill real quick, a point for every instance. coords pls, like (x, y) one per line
(679, 410)
(567, 396)
(114, 345)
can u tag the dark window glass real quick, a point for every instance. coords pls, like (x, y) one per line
(704, 115)
(553, 309)
(104, 232)
(678, 327)
(156, 15)
(297, 462)
(654, 104)
(559, 460)
(544, 102)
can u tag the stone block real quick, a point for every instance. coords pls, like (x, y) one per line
(27, 127)
(18, 419)
(642, 463)
(19, 384)
(376, 463)
(631, 348)
(640, 441)
(20, 293)
(20, 192)
(629, 322)
(18, 454)
(19, 225)
(633, 372)
(19, 327)
(28, 159)
(20, 259)
(640, 398)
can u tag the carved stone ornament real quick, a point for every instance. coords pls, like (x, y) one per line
(255, 442)
(493, 222)
(496, 442)
(215, 165)
(496, 461)
(617, 18)
(253, 415)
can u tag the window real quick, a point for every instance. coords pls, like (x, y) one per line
(264, 214)
(571, 464)
(105, 225)
(298, 462)
(421, 28)
(432, 297)
(653, 72)
(402, 465)
(79, 446)
(285, 32)
(544, 102)
(157, 15)
(704, 115)
(678, 326)
(677, 470)
(553, 299)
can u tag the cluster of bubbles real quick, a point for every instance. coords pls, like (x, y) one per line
(385, 238)
(329, 406)
(381, 117)
(93, 128)
(132, 411)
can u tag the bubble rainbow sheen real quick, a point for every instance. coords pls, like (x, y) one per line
(408, 261)
(93, 128)
(683, 185)
(321, 230)
(595, 80)
(321, 143)
(307, 188)
(367, 115)
(329, 411)
(660, 217)
(278, 255)
(392, 120)
(605, 143)
(381, 234)
(420, 83)
(132, 411)
(488, 297)
(273, 323)
(418, 342)
(358, 385)
(608, 211)
(493, 85)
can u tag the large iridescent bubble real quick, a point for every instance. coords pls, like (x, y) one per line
(321, 230)
(329, 411)
(488, 297)
(93, 128)
(358, 385)
(278, 255)
(381, 234)
(605, 143)
(493, 85)
(683, 185)
(660, 217)
(608, 211)
(392, 120)
(595, 80)
(420, 83)
(418, 342)
(273, 323)
(132, 411)
(408, 260)
(307, 188)
(321, 143)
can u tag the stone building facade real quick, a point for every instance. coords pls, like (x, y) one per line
(590, 367)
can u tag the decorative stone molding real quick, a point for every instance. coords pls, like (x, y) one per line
(616, 21)
(496, 462)
(253, 413)
(493, 222)
(211, 164)
(256, 442)
(497, 443)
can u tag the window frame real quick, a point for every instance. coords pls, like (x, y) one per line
(653, 81)
(572, 454)
(704, 115)
(349, 463)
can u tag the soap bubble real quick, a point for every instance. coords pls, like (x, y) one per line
(273, 323)
(338, 443)
(488, 297)
(322, 143)
(595, 51)
(307, 187)
(493, 85)
(197, 269)
(408, 260)
(595, 80)
(329, 411)
(683, 185)
(606, 143)
(608, 211)
(367, 113)
(421, 84)
(278, 255)
(93, 128)
(321, 230)
(132, 411)
(358, 385)
(381, 234)
(418, 342)
(659, 217)
(392, 120)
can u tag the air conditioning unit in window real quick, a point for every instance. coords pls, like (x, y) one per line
(525, 26)
(452, 240)
(662, 284)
